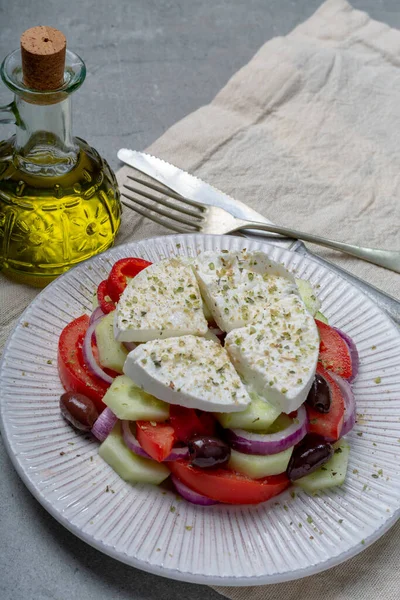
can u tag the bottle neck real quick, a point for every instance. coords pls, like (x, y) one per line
(44, 143)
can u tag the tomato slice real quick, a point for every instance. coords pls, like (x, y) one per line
(329, 425)
(103, 297)
(334, 354)
(227, 486)
(117, 279)
(157, 439)
(187, 423)
(74, 374)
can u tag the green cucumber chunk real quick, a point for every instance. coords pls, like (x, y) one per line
(257, 466)
(112, 354)
(130, 403)
(331, 473)
(129, 466)
(309, 296)
(258, 416)
(321, 317)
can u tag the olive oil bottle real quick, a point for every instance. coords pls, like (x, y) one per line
(59, 200)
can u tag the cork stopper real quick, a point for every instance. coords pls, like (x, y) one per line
(43, 58)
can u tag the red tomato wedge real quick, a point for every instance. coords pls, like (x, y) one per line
(226, 486)
(106, 304)
(187, 423)
(334, 354)
(74, 374)
(157, 439)
(329, 425)
(123, 269)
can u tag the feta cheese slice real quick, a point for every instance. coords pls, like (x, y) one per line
(277, 357)
(239, 286)
(190, 371)
(161, 301)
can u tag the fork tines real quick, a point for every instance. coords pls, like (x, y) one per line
(184, 215)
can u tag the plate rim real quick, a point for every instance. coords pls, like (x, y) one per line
(146, 566)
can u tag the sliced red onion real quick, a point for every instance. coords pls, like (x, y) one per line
(103, 424)
(96, 315)
(190, 495)
(129, 345)
(349, 403)
(89, 358)
(269, 443)
(131, 441)
(133, 444)
(354, 357)
(178, 453)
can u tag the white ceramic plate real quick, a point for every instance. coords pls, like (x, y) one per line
(147, 527)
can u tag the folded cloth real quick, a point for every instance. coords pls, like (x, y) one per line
(308, 134)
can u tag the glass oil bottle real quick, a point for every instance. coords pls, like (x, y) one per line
(59, 200)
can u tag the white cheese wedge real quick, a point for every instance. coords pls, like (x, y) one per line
(161, 301)
(190, 371)
(277, 357)
(239, 286)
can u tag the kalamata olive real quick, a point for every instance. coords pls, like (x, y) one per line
(79, 410)
(208, 452)
(319, 396)
(312, 452)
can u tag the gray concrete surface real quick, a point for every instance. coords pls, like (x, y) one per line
(150, 63)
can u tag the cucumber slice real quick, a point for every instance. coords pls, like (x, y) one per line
(112, 354)
(331, 473)
(321, 317)
(258, 416)
(256, 466)
(280, 424)
(129, 466)
(130, 403)
(309, 296)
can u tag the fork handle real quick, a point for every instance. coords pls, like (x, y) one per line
(387, 303)
(383, 258)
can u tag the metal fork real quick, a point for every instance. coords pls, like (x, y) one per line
(187, 216)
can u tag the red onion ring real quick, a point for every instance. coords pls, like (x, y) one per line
(269, 443)
(349, 402)
(129, 345)
(104, 424)
(191, 495)
(133, 444)
(89, 358)
(177, 454)
(131, 441)
(96, 315)
(354, 357)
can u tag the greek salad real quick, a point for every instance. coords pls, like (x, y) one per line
(219, 372)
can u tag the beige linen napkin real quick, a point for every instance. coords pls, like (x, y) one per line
(308, 133)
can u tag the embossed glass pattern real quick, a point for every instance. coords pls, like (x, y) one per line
(59, 200)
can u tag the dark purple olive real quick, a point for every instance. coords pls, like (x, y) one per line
(312, 452)
(208, 452)
(319, 396)
(78, 410)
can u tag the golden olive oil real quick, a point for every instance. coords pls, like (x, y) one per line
(59, 200)
(48, 224)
